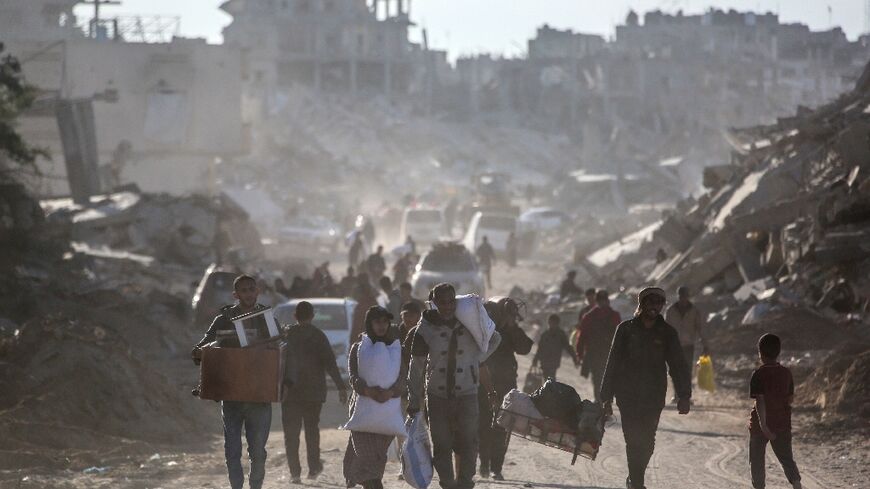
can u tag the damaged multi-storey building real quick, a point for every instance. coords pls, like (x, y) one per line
(666, 84)
(136, 103)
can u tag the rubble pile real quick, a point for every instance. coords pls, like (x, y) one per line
(779, 242)
(191, 230)
(116, 319)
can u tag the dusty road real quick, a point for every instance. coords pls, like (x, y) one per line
(705, 449)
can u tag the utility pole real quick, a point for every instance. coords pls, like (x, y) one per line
(95, 22)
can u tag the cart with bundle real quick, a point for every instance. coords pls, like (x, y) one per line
(556, 417)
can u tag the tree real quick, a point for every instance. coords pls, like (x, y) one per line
(16, 96)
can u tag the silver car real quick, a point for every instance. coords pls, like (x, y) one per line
(451, 263)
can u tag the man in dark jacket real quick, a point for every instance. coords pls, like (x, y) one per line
(255, 417)
(309, 359)
(502, 367)
(645, 349)
(596, 334)
(552, 343)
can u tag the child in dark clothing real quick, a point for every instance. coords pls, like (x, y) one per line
(772, 388)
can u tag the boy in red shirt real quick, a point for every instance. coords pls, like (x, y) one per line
(772, 388)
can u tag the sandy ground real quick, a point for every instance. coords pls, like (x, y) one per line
(705, 449)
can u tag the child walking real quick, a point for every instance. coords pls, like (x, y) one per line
(366, 454)
(772, 388)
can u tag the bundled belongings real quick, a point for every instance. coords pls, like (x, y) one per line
(379, 366)
(557, 418)
(558, 401)
(471, 312)
(242, 368)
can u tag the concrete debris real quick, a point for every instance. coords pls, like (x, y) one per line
(191, 230)
(786, 224)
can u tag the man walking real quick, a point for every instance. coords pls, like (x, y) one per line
(445, 359)
(255, 417)
(645, 349)
(688, 320)
(502, 368)
(596, 333)
(309, 359)
(552, 343)
(486, 258)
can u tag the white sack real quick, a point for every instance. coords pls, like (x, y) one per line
(517, 409)
(471, 313)
(417, 453)
(378, 366)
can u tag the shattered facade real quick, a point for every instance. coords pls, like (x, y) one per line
(346, 46)
(162, 111)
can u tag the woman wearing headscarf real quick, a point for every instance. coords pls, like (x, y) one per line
(366, 454)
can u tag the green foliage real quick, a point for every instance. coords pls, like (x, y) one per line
(16, 96)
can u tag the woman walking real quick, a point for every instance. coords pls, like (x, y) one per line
(377, 376)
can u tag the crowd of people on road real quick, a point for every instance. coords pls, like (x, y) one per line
(459, 384)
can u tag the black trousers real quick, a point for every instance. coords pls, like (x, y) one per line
(295, 413)
(639, 425)
(494, 440)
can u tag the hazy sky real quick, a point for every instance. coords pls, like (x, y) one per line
(503, 26)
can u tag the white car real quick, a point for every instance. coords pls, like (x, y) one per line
(310, 231)
(425, 226)
(333, 316)
(450, 263)
(496, 227)
(541, 219)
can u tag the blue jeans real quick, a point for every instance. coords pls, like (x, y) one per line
(256, 418)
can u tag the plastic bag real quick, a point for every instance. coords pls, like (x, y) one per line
(534, 380)
(705, 374)
(417, 453)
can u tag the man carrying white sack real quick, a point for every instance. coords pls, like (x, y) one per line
(445, 353)
(377, 375)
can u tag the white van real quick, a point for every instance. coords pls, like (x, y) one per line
(496, 227)
(426, 226)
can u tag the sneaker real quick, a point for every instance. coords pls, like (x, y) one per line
(295, 479)
(497, 476)
(484, 471)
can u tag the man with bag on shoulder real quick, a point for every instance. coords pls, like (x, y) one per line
(445, 352)
(255, 417)
(502, 368)
(645, 350)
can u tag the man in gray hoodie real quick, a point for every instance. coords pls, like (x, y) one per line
(446, 360)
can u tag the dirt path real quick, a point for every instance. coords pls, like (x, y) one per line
(704, 449)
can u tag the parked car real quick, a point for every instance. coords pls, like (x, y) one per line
(333, 316)
(310, 231)
(215, 290)
(426, 226)
(541, 219)
(448, 262)
(496, 227)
